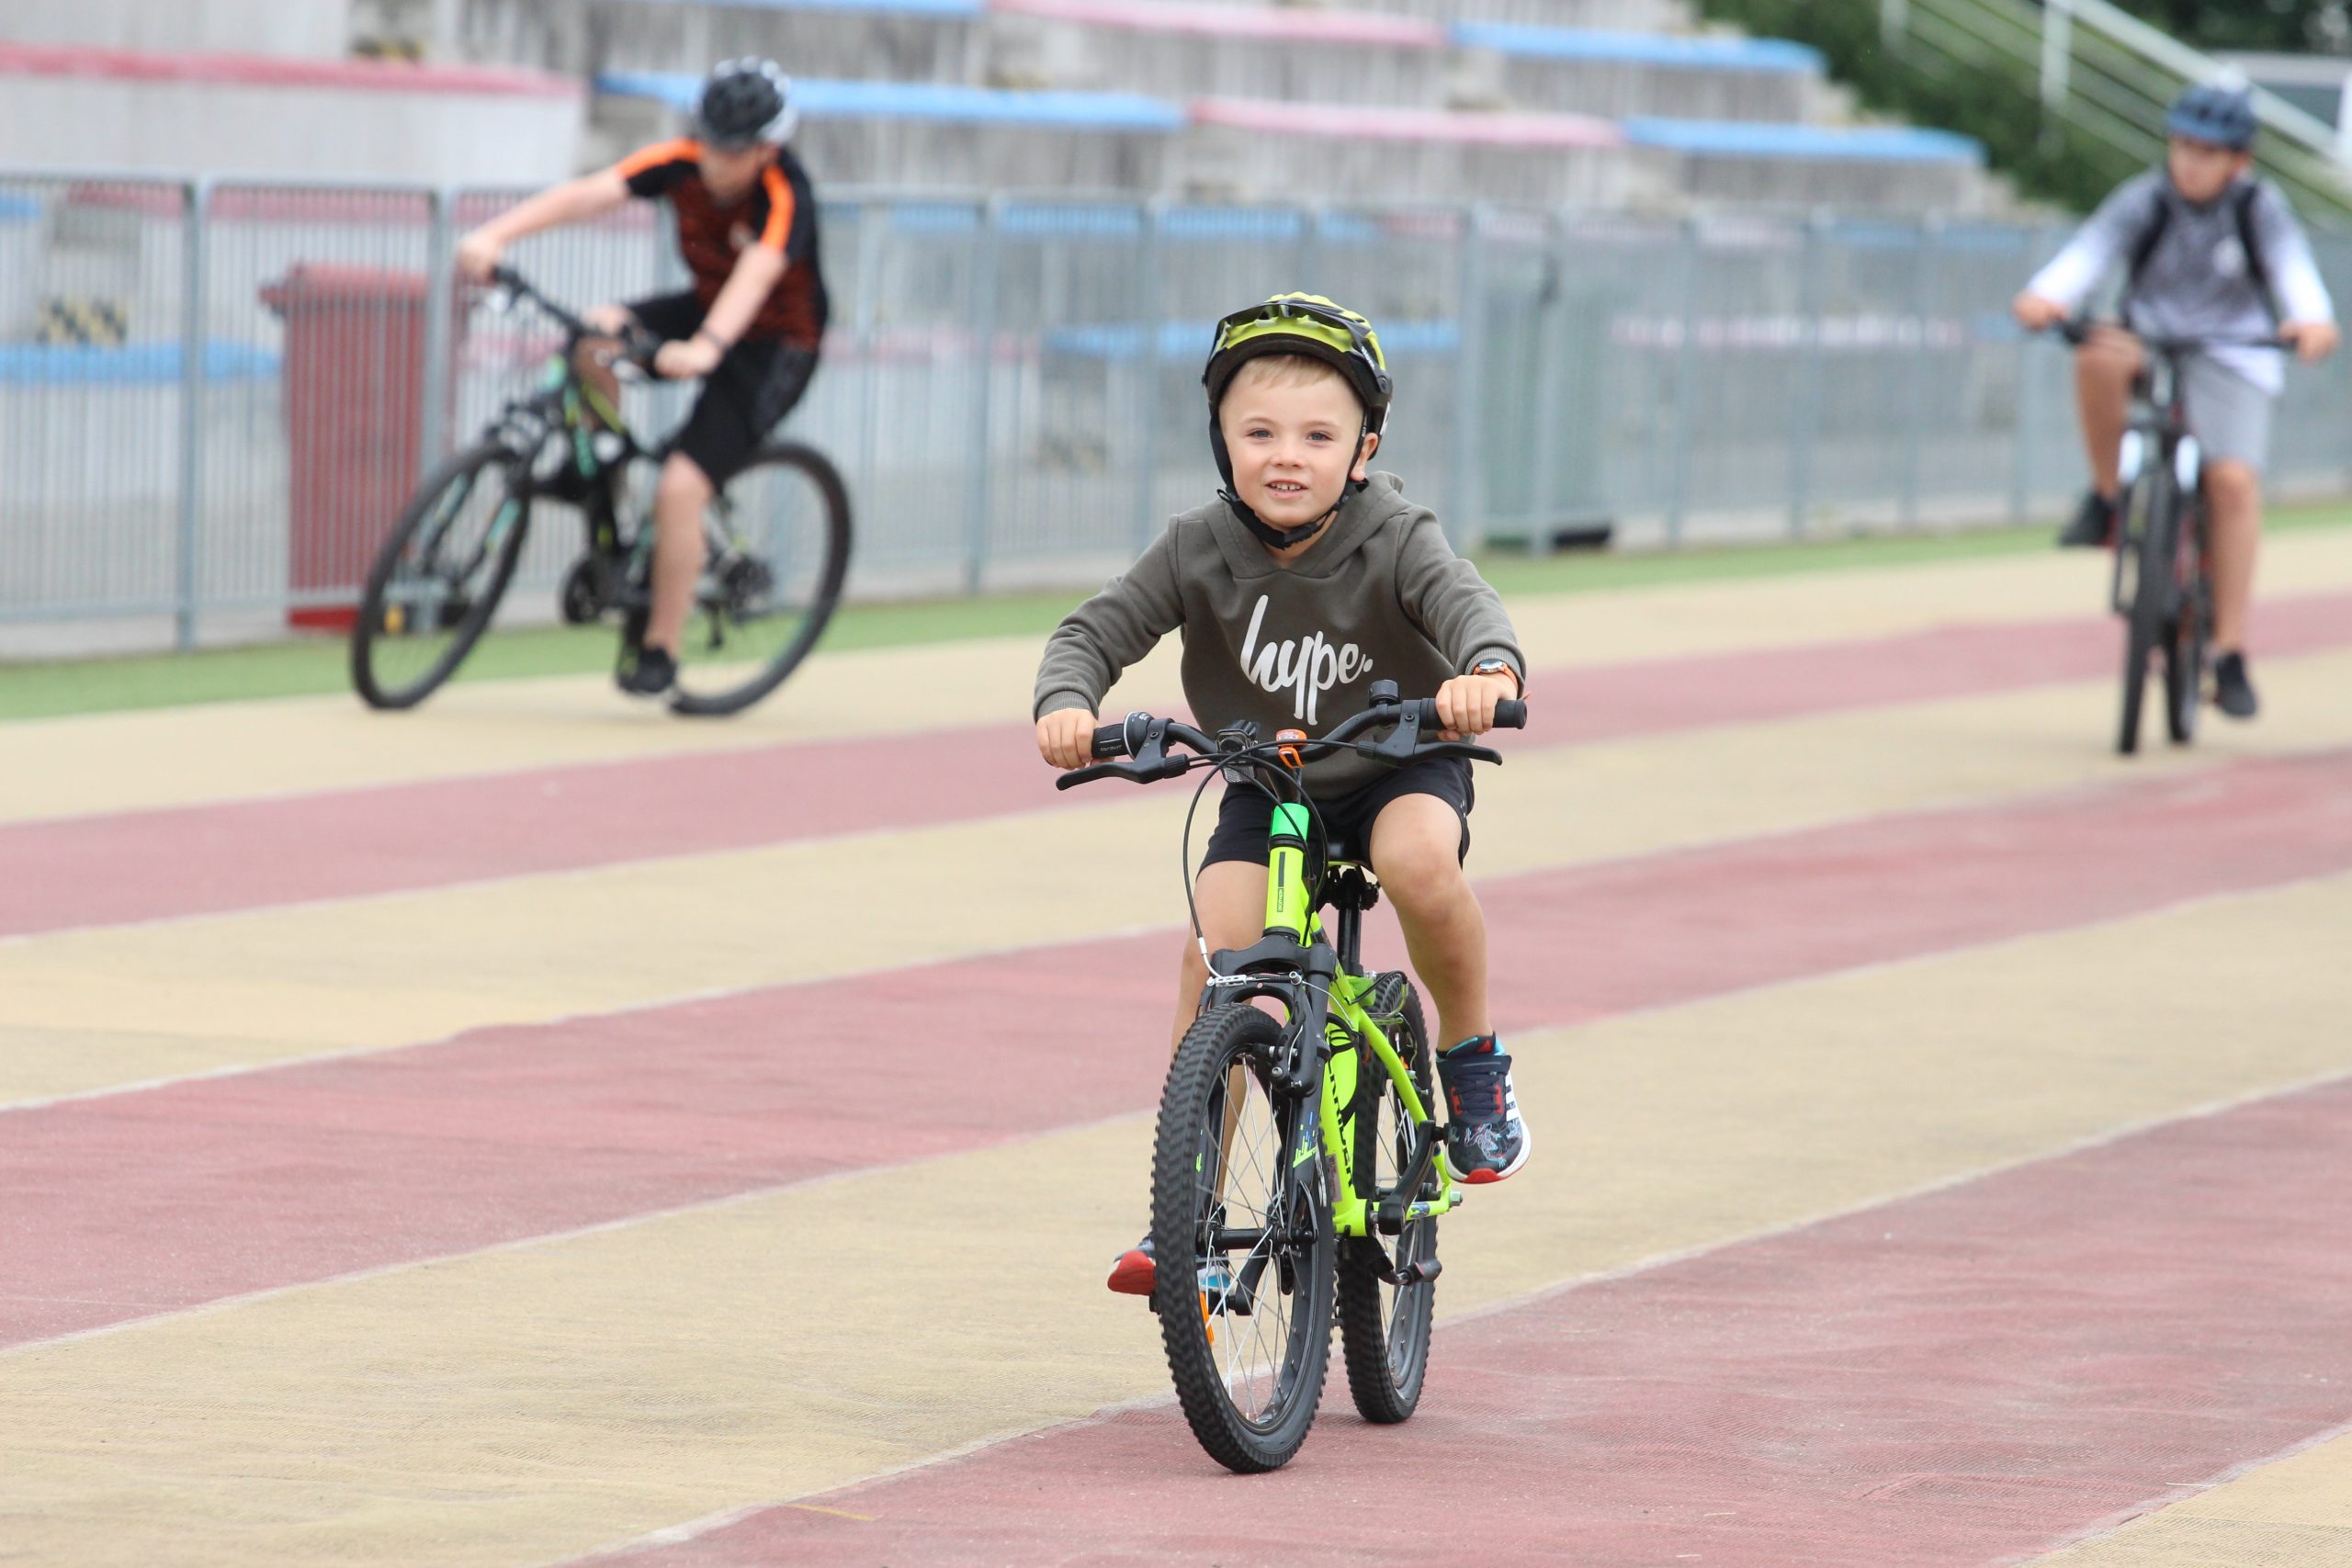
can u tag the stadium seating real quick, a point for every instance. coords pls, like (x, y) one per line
(1229, 100)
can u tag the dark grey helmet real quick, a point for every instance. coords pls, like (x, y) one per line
(746, 102)
(2214, 113)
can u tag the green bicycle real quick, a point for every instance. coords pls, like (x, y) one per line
(1295, 1171)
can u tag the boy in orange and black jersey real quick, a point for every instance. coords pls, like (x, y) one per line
(751, 326)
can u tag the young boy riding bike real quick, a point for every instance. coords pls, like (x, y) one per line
(1304, 582)
(751, 325)
(2208, 252)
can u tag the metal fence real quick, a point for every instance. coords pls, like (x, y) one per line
(214, 395)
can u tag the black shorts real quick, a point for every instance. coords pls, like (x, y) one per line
(1247, 817)
(755, 385)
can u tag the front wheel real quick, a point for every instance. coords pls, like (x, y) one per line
(439, 578)
(1385, 1311)
(780, 542)
(2144, 588)
(1241, 1229)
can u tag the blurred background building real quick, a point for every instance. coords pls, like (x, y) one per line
(1654, 269)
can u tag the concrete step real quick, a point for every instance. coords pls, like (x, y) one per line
(898, 40)
(77, 108)
(911, 136)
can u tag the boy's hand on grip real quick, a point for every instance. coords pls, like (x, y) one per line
(1465, 705)
(1065, 738)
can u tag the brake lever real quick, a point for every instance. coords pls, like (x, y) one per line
(1402, 742)
(1094, 770)
(1461, 748)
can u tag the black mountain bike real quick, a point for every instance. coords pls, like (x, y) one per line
(1296, 1164)
(2161, 585)
(777, 541)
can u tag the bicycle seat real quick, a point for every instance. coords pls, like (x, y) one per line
(1347, 881)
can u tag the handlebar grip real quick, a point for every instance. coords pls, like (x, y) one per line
(1111, 740)
(1510, 714)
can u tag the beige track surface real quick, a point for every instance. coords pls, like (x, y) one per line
(234, 750)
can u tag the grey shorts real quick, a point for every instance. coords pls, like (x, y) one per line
(2229, 415)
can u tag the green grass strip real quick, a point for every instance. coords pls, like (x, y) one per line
(311, 666)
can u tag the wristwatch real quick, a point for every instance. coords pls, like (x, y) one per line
(1497, 667)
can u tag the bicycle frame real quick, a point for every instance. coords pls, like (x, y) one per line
(1323, 991)
(2156, 431)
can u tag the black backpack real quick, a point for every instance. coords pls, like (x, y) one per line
(2242, 198)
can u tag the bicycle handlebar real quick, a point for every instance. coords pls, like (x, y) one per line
(1144, 740)
(2077, 332)
(638, 345)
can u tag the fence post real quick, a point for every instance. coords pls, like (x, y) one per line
(440, 287)
(1686, 368)
(1468, 502)
(1805, 422)
(193, 314)
(2029, 414)
(874, 215)
(1915, 418)
(1149, 267)
(2057, 60)
(980, 508)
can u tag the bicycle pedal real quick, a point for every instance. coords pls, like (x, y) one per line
(1420, 1272)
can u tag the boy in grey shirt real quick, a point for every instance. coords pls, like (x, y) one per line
(2210, 253)
(1307, 580)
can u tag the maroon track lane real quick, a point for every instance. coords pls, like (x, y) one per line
(247, 855)
(128, 1205)
(1968, 1377)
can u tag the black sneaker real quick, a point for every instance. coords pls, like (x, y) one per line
(2233, 692)
(1485, 1139)
(2093, 527)
(647, 673)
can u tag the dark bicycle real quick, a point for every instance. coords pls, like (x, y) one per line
(777, 542)
(1296, 1173)
(2163, 587)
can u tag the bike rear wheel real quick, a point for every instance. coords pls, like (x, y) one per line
(439, 578)
(2144, 591)
(2187, 649)
(771, 584)
(1383, 1324)
(1241, 1227)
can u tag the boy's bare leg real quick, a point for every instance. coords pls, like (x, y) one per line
(1231, 895)
(592, 358)
(1416, 852)
(2104, 368)
(679, 503)
(2233, 523)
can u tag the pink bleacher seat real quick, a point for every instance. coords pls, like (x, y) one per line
(1276, 23)
(271, 71)
(1358, 122)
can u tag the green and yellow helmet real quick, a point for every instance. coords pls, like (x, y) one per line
(1308, 324)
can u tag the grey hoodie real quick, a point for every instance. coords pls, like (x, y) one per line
(1380, 596)
(2197, 282)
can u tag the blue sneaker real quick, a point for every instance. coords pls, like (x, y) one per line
(1485, 1138)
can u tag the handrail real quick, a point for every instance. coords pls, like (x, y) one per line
(2169, 52)
(2105, 75)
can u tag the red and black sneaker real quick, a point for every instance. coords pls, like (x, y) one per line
(1485, 1138)
(1132, 1273)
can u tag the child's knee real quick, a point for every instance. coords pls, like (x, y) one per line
(1417, 854)
(2231, 481)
